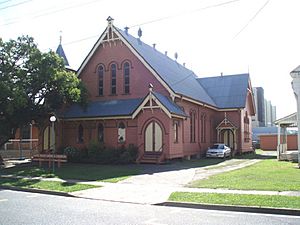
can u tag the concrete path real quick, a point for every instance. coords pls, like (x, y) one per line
(155, 187)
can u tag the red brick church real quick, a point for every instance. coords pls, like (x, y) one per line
(140, 96)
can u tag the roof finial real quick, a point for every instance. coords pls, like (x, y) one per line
(140, 33)
(110, 20)
(126, 30)
(150, 87)
(176, 56)
(166, 53)
(60, 37)
(154, 45)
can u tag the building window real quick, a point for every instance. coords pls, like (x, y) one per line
(126, 71)
(192, 127)
(203, 128)
(101, 79)
(121, 132)
(113, 70)
(100, 133)
(246, 128)
(80, 134)
(176, 131)
(26, 132)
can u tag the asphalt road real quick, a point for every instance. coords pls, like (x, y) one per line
(31, 208)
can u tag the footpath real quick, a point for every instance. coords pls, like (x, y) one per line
(154, 187)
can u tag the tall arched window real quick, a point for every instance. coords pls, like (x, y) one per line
(121, 133)
(126, 72)
(192, 127)
(203, 127)
(101, 78)
(175, 126)
(100, 133)
(113, 70)
(80, 134)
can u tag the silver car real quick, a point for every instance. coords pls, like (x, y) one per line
(219, 151)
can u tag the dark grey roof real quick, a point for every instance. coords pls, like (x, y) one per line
(103, 109)
(228, 91)
(60, 51)
(169, 104)
(180, 79)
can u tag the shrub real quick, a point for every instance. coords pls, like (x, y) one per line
(73, 154)
(98, 153)
(95, 149)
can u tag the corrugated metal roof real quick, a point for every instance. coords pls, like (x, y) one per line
(169, 104)
(103, 109)
(228, 91)
(180, 79)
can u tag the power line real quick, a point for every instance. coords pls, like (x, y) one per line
(252, 18)
(160, 19)
(5, 2)
(14, 5)
(184, 13)
(47, 12)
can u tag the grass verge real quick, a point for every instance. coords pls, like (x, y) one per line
(45, 185)
(268, 174)
(273, 201)
(91, 172)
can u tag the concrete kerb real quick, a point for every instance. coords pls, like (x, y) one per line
(34, 190)
(251, 209)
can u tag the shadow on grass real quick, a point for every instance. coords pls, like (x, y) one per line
(259, 155)
(109, 173)
(17, 182)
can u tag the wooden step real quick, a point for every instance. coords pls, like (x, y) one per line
(151, 158)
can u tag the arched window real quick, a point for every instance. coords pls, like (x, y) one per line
(121, 133)
(175, 125)
(126, 72)
(203, 127)
(101, 78)
(246, 128)
(192, 127)
(113, 70)
(100, 133)
(80, 134)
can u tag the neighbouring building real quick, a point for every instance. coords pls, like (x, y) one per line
(258, 120)
(265, 112)
(140, 96)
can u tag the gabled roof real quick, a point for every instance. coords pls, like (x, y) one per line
(172, 107)
(60, 51)
(118, 108)
(109, 108)
(180, 79)
(228, 91)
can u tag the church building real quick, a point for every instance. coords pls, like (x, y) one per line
(140, 96)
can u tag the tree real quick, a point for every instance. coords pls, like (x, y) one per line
(33, 85)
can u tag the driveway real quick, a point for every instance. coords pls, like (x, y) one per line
(157, 182)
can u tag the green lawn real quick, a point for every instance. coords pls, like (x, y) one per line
(276, 201)
(91, 172)
(265, 175)
(45, 185)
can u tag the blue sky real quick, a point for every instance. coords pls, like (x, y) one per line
(210, 36)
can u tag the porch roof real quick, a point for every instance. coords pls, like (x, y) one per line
(124, 107)
(290, 120)
(169, 104)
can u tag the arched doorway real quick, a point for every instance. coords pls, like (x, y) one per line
(228, 138)
(48, 141)
(153, 138)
